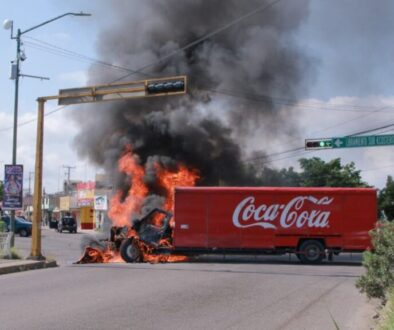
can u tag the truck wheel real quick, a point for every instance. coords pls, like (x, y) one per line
(129, 251)
(311, 252)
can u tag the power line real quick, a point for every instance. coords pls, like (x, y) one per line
(197, 41)
(201, 39)
(56, 50)
(34, 119)
(303, 148)
(372, 130)
(261, 98)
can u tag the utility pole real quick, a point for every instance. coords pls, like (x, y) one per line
(30, 177)
(69, 168)
(15, 74)
(30, 201)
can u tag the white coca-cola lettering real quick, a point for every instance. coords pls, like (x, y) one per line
(246, 214)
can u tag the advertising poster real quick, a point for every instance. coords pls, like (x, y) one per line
(85, 193)
(13, 187)
(100, 203)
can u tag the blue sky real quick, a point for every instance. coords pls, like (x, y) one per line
(350, 43)
(73, 33)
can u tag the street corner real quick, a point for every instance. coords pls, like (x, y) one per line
(8, 266)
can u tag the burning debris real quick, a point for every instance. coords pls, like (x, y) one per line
(149, 239)
(135, 242)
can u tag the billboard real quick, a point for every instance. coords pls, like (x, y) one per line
(85, 193)
(13, 187)
(64, 203)
(100, 203)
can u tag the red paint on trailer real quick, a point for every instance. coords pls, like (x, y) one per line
(271, 217)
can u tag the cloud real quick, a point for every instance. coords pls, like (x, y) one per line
(337, 117)
(74, 79)
(59, 132)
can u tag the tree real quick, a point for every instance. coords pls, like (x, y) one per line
(1, 190)
(280, 178)
(318, 173)
(386, 198)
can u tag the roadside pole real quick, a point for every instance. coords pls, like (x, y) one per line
(36, 223)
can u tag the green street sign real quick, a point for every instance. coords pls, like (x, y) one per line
(363, 141)
(350, 142)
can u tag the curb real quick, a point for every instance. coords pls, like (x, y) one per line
(20, 266)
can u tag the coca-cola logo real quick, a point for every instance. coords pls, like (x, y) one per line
(292, 214)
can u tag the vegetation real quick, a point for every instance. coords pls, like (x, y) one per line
(388, 314)
(1, 190)
(2, 226)
(315, 173)
(379, 264)
(386, 199)
(318, 173)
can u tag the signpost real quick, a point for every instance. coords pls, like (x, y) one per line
(350, 142)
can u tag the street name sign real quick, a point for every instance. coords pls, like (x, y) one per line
(350, 142)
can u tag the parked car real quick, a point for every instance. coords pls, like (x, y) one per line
(53, 223)
(67, 223)
(22, 226)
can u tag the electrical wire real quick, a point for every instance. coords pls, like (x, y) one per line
(201, 39)
(65, 52)
(56, 50)
(34, 119)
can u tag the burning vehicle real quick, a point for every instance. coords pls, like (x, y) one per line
(203, 138)
(144, 241)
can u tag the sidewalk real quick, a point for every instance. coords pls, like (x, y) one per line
(19, 265)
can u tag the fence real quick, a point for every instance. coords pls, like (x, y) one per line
(5, 244)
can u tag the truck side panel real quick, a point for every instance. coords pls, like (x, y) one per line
(269, 218)
(359, 219)
(220, 234)
(191, 220)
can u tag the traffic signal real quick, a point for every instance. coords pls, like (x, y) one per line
(166, 86)
(318, 144)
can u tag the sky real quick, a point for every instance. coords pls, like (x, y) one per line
(349, 44)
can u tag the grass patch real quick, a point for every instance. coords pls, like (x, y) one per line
(14, 254)
(387, 322)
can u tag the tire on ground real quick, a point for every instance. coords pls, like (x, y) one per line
(311, 252)
(129, 251)
(23, 233)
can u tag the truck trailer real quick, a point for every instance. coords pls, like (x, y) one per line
(313, 223)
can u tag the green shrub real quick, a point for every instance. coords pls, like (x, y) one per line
(2, 226)
(379, 263)
(387, 315)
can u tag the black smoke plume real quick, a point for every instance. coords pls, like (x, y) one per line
(211, 127)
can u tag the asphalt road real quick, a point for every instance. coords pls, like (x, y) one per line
(64, 247)
(235, 293)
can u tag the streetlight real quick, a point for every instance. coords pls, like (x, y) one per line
(20, 56)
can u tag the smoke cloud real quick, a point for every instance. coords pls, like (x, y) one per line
(208, 129)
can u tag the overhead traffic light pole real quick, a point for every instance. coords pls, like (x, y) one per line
(352, 141)
(136, 89)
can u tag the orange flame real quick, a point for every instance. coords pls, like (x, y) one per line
(121, 210)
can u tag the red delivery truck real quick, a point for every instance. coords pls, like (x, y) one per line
(311, 222)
